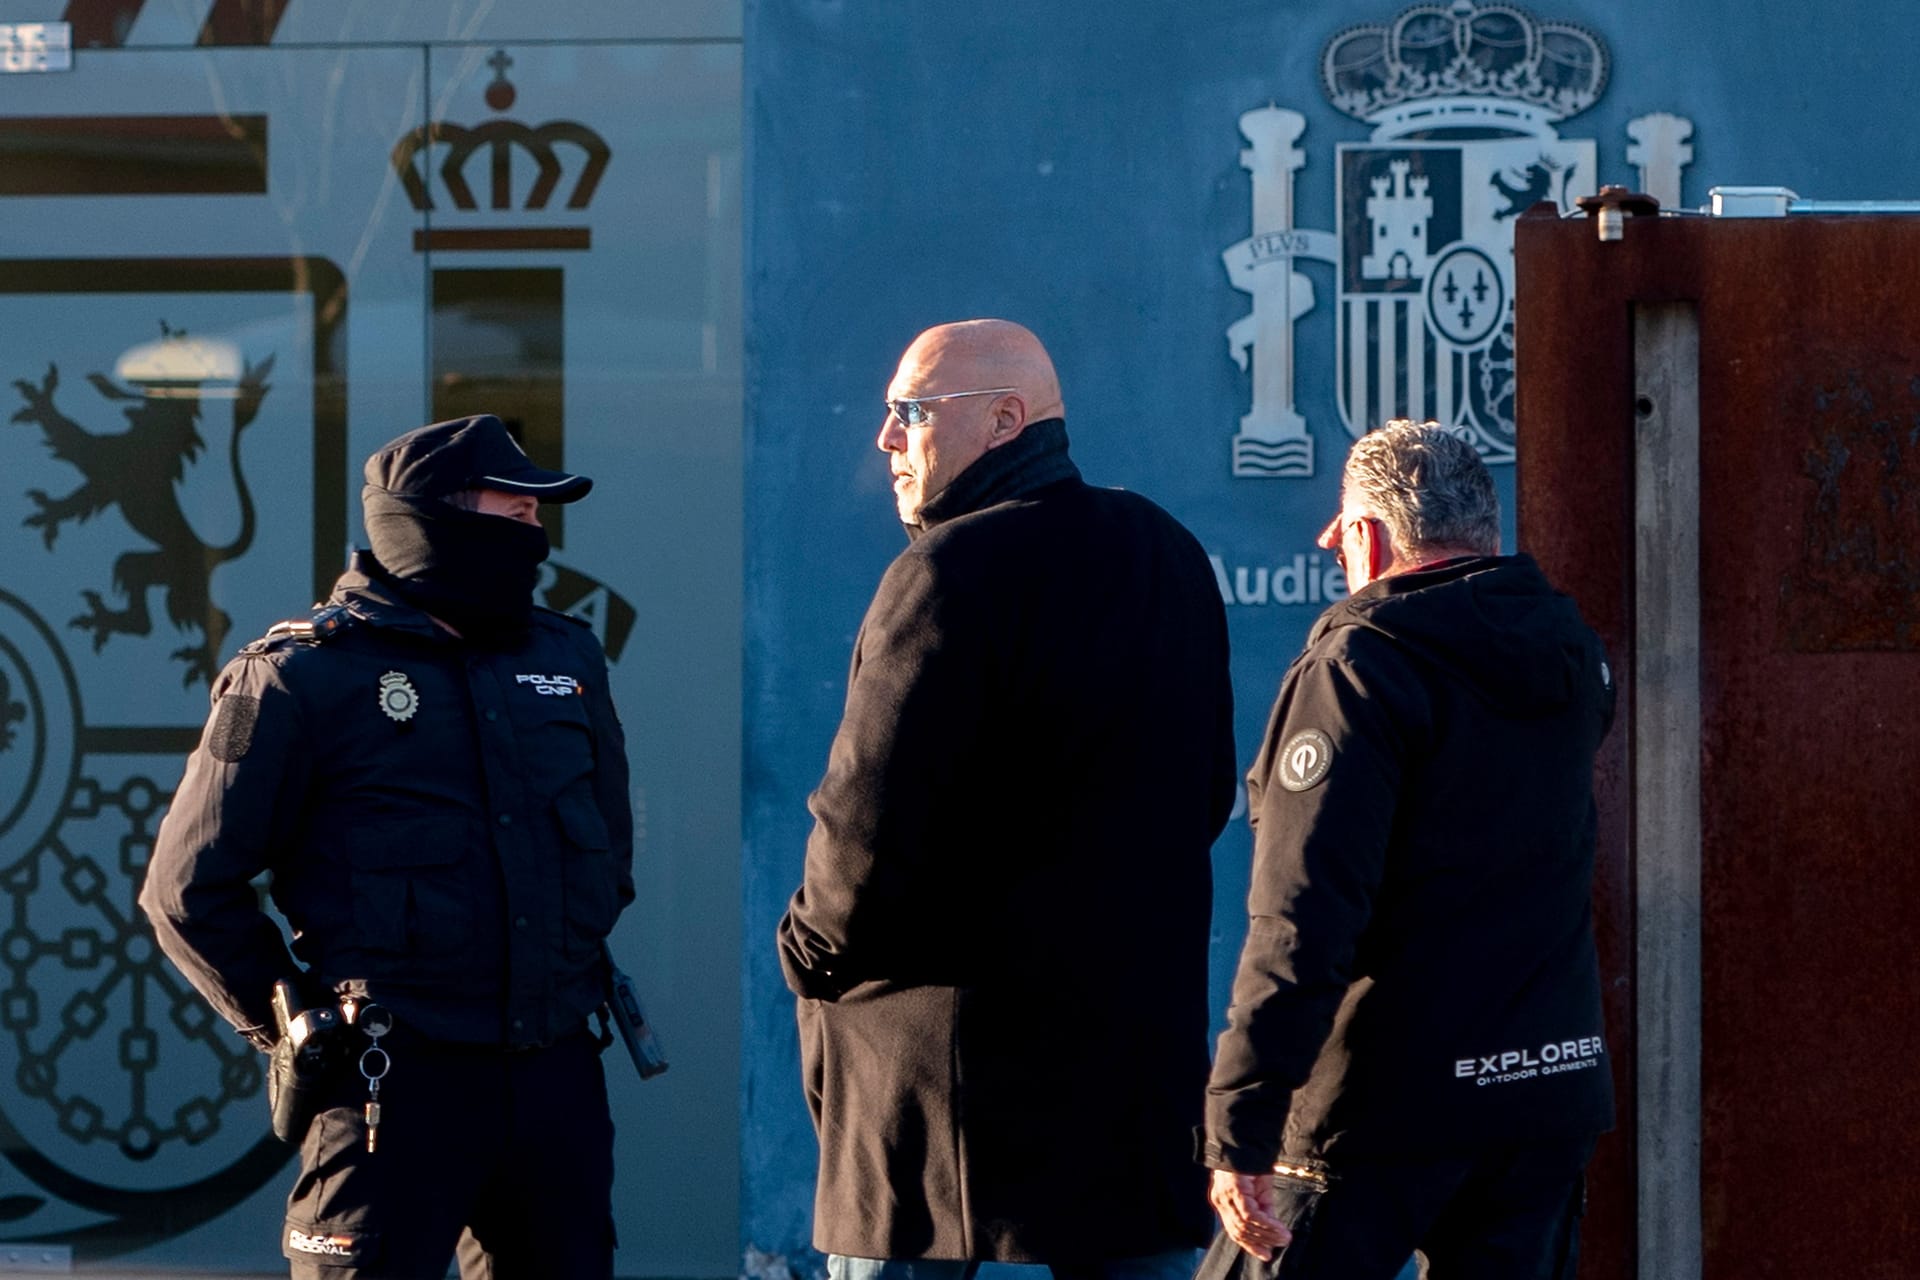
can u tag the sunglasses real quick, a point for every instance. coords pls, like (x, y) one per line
(911, 409)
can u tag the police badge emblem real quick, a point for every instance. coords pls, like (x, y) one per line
(398, 698)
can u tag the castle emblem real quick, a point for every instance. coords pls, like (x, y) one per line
(1463, 98)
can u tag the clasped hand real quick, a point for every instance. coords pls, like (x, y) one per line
(1244, 1202)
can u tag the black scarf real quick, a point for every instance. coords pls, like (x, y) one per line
(1032, 460)
(473, 571)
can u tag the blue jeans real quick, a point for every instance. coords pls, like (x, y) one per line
(1176, 1264)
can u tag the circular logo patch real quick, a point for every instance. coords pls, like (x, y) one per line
(397, 696)
(1304, 760)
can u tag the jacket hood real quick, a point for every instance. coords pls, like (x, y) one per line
(1493, 621)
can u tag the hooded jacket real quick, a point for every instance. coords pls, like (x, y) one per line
(1419, 973)
(1000, 947)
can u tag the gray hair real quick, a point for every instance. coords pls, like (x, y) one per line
(1428, 487)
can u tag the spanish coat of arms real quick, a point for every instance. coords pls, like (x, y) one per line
(1463, 98)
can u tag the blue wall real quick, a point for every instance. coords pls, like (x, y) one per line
(1076, 168)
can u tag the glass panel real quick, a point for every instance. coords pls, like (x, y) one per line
(582, 234)
(226, 275)
(499, 347)
(206, 275)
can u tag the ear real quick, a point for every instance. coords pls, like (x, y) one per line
(1376, 546)
(1009, 420)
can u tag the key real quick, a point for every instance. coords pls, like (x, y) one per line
(374, 1021)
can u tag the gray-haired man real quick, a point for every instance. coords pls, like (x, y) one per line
(1416, 1015)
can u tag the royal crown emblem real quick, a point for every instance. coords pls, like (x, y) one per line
(1463, 98)
(1459, 53)
(551, 149)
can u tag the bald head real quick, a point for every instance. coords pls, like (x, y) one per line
(981, 382)
(985, 353)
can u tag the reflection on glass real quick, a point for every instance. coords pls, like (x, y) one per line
(498, 347)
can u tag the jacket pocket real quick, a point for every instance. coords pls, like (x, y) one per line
(410, 891)
(555, 743)
(589, 881)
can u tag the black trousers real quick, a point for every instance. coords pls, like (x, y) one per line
(507, 1156)
(1504, 1213)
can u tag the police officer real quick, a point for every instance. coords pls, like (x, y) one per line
(431, 769)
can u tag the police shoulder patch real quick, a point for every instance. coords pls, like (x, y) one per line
(1304, 760)
(231, 733)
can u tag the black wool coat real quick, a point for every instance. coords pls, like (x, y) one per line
(1000, 947)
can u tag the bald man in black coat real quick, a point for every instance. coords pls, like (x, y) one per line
(1000, 947)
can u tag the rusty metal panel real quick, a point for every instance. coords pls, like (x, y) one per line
(1574, 513)
(1810, 622)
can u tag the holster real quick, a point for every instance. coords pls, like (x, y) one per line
(293, 1098)
(300, 1065)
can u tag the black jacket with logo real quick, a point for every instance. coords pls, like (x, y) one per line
(1419, 972)
(446, 826)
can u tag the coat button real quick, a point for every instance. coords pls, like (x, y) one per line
(520, 922)
(492, 714)
(518, 1025)
(506, 819)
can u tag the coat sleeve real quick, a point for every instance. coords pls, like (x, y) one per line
(1321, 798)
(913, 709)
(610, 773)
(235, 814)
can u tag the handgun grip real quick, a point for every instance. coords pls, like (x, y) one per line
(283, 1008)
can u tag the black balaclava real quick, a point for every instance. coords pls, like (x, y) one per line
(475, 572)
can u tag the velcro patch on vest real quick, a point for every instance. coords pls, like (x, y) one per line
(333, 1244)
(231, 732)
(1305, 759)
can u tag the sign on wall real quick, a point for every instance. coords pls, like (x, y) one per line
(1465, 100)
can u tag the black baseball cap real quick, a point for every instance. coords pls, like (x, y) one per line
(467, 453)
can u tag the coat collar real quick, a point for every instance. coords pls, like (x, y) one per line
(367, 591)
(1034, 459)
